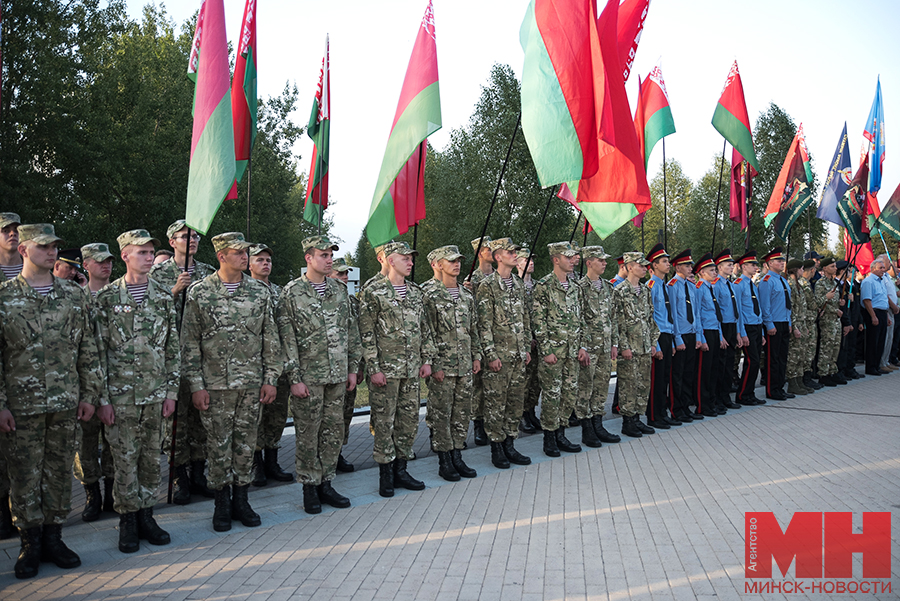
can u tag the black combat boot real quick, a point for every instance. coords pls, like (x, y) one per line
(498, 457)
(273, 470)
(6, 526)
(573, 420)
(222, 512)
(551, 449)
(386, 479)
(54, 550)
(311, 502)
(602, 433)
(461, 468)
(128, 533)
(564, 443)
(328, 495)
(402, 477)
(240, 507)
(645, 429)
(181, 485)
(533, 419)
(525, 426)
(481, 438)
(343, 465)
(258, 471)
(93, 503)
(108, 501)
(149, 530)
(514, 456)
(30, 554)
(198, 480)
(588, 436)
(629, 428)
(839, 378)
(446, 469)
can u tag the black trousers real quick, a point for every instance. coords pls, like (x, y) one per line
(875, 338)
(684, 377)
(707, 364)
(776, 356)
(660, 379)
(725, 367)
(847, 355)
(751, 362)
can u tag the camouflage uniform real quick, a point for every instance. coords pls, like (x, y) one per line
(532, 382)
(557, 327)
(809, 339)
(140, 355)
(230, 348)
(453, 326)
(5, 220)
(273, 417)
(829, 325)
(477, 276)
(49, 363)
(321, 346)
(397, 342)
(636, 331)
(350, 396)
(799, 319)
(599, 338)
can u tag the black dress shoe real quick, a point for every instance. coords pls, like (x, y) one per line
(684, 418)
(697, 416)
(672, 421)
(873, 372)
(658, 424)
(721, 410)
(777, 395)
(731, 404)
(790, 395)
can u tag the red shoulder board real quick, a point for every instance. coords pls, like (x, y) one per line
(650, 284)
(766, 279)
(671, 282)
(699, 283)
(738, 281)
(611, 283)
(715, 281)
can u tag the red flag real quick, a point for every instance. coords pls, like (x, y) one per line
(742, 174)
(860, 255)
(639, 220)
(632, 14)
(243, 90)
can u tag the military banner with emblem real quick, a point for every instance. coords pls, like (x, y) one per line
(793, 189)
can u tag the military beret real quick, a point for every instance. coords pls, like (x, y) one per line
(794, 264)
(449, 252)
(842, 265)
(321, 242)
(657, 252)
(233, 240)
(562, 248)
(634, 257)
(826, 261)
(9, 219)
(40, 233)
(809, 263)
(594, 252)
(136, 237)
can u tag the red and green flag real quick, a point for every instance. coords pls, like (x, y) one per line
(212, 170)
(854, 208)
(652, 117)
(399, 199)
(632, 14)
(742, 174)
(243, 92)
(793, 188)
(319, 129)
(731, 119)
(889, 220)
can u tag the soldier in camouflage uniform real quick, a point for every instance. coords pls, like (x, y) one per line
(322, 350)
(598, 339)
(190, 437)
(485, 267)
(530, 422)
(637, 334)
(341, 272)
(273, 417)
(504, 327)
(10, 267)
(556, 322)
(800, 320)
(812, 341)
(451, 314)
(231, 357)
(382, 260)
(138, 343)
(398, 349)
(828, 311)
(90, 462)
(51, 377)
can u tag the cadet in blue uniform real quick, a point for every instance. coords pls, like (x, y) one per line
(661, 365)
(750, 329)
(712, 343)
(682, 294)
(775, 304)
(731, 318)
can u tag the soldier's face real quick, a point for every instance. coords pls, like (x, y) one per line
(449, 267)
(138, 259)
(708, 273)
(750, 269)
(726, 268)
(662, 265)
(520, 263)
(830, 270)
(486, 254)
(343, 276)
(509, 258)
(9, 237)
(99, 270)
(160, 259)
(402, 264)
(234, 258)
(261, 265)
(180, 241)
(776, 265)
(320, 261)
(42, 256)
(64, 271)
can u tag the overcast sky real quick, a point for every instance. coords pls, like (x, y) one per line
(817, 59)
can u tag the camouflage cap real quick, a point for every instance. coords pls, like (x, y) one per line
(634, 257)
(562, 248)
(594, 252)
(504, 244)
(175, 228)
(449, 252)
(340, 265)
(41, 233)
(97, 251)
(233, 240)
(380, 248)
(319, 242)
(485, 243)
(523, 253)
(258, 248)
(137, 237)
(399, 248)
(9, 219)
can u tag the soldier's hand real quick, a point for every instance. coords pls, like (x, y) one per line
(168, 407)
(829, 295)
(861, 327)
(476, 366)
(745, 341)
(771, 332)
(300, 390)
(527, 357)
(704, 347)
(468, 284)
(439, 375)
(626, 354)
(698, 344)
(583, 358)
(183, 281)
(378, 380)
(840, 313)
(85, 412)
(797, 333)
(80, 279)
(267, 394)
(656, 355)
(680, 347)
(847, 330)
(614, 353)
(425, 371)
(7, 421)
(723, 344)
(351, 382)
(495, 365)
(874, 321)
(550, 359)
(107, 415)
(200, 400)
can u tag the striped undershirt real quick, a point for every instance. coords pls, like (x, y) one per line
(565, 284)
(320, 288)
(190, 269)
(11, 271)
(509, 283)
(454, 293)
(598, 284)
(137, 292)
(94, 293)
(231, 287)
(43, 290)
(400, 290)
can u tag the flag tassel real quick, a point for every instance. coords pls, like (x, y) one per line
(718, 197)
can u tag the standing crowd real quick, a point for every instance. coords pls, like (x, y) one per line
(101, 376)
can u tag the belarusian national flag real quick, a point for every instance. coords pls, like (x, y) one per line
(742, 174)
(731, 118)
(243, 91)
(652, 116)
(319, 129)
(632, 14)
(792, 192)
(399, 199)
(212, 169)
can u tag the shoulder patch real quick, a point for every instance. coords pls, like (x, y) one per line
(766, 278)
(650, 284)
(716, 281)
(671, 282)
(738, 281)
(699, 283)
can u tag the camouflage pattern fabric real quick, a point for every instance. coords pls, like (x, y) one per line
(167, 272)
(91, 460)
(477, 383)
(532, 382)
(134, 439)
(449, 411)
(635, 330)
(634, 384)
(273, 417)
(394, 418)
(593, 381)
(319, 429)
(231, 424)
(504, 392)
(811, 311)
(829, 325)
(350, 397)
(799, 319)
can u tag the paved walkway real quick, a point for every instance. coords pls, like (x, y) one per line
(661, 517)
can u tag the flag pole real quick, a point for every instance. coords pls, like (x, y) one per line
(718, 196)
(187, 266)
(749, 196)
(575, 229)
(540, 226)
(665, 201)
(642, 234)
(248, 198)
(321, 208)
(494, 199)
(583, 244)
(412, 274)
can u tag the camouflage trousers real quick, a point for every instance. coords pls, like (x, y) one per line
(634, 383)
(90, 462)
(593, 386)
(532, 386)
(559, 383)
(190, 437)
(40, 453)
(349, 406)
(796, 359)
(319, 429)
(478, 395)
(273, 418)
(231, 424)
(829, 346)
(134, 440)
(504, 392)
(394, 418)
(449, 408)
